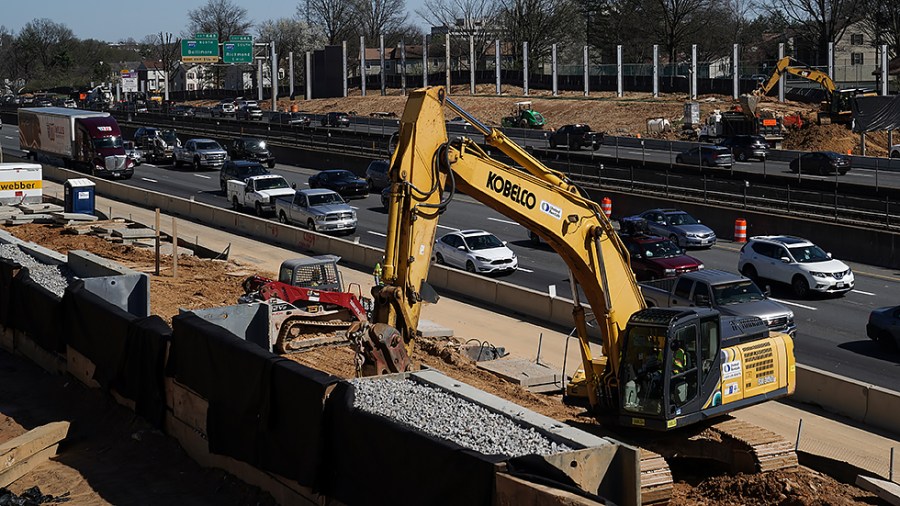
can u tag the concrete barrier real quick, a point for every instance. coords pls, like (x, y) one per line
(883, 409)
(833, 393)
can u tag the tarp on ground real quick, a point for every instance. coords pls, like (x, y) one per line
(262, 410)
(374, 460)
(37, 312)
(872, 114)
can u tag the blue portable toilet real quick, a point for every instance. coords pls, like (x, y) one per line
(79, 196)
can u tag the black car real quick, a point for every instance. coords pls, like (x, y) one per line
(250, 148)
(576, 136)
(184, 111)
(821, 162)
(377, 174)
(707, 156)
(745, 147)
(346, 183)
(240, 170)
(290, 118)
(336, 119)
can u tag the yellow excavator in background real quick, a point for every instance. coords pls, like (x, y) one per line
(835, 109)
(660, 369)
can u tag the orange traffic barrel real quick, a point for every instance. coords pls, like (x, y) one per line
(295, 108)
(606, 205)
(740, 230)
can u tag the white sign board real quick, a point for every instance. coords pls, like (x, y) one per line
(129, 84)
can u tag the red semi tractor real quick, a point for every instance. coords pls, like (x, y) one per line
(85, 140)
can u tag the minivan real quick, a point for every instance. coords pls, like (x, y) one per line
(377, 175)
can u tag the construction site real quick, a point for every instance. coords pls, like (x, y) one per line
(108, 443)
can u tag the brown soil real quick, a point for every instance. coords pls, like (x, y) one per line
(604, 111)
(206, 283)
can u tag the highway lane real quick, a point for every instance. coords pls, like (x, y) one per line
(831, 331)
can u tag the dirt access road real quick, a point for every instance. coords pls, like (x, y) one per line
(113, 457)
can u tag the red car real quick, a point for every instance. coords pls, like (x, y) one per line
(655, 257)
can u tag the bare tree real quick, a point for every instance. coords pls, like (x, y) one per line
(377, 17)
(291, 35)
(476, 18)
(820, 21)
(539, 22)
(334, 16)
(882, 21)
(221, 17)
(165, 51)
(46, 42)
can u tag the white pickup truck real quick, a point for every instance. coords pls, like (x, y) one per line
(257, 192)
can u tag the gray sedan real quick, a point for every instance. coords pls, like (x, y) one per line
(679, 226)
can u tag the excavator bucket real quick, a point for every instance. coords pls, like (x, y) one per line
(749, 104)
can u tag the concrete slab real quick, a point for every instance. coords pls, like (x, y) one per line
(133, 233)
(74, 216)
(539, 378)
(428, 328)
(29, 218)
(40, 208)
(887, 491)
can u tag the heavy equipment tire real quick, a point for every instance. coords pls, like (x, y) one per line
(523, 123)
(749, 271)
(742, 157)
(259, 210)
(282, 218)
(439, 259)
(800, 286)
(470, 267)
(235, 204)
(311, 225)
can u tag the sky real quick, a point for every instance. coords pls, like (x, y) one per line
(116, 20)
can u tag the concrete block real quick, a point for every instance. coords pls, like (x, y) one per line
(833, 393)
(538, 378)
(44, 255)
(883, 407)
(40, 208)
(73, 217)
(428, 328)
(887, 491)
(134, 233)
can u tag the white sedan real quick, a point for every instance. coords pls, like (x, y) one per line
(476, 251)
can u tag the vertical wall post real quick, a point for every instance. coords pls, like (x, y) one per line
(362, 65)
(655, 70)
(781, 81)
(449, 84)
(497, 64)
(291, 74)
(735, 69)
(309, 75)
(587, 73)
(259, 79)
(471, 64)
(525, 68)
(830, 60)
(402, 67)
(425, 60)
(381, 61)
(344, 55)
(693, 71)
(884, 70)
(274, 79)
(620, 78)
(553, 69)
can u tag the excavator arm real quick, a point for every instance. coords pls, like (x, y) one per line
(790, 66)
(426, 170)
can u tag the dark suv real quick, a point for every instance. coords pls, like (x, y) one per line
(745, 147)
(707, 156)
(240, 170)
(576, 136)
(336, 119)
(249, 148)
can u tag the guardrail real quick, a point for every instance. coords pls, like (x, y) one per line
(869, 404)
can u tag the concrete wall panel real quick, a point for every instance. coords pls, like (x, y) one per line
(833, 393)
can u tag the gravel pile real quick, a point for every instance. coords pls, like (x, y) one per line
(50, 277)
(449, 417)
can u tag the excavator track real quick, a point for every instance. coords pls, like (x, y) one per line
(764, 450)
(656, 478)
(298, 336)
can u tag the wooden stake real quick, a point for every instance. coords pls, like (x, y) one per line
(174, 248)
(157, 241)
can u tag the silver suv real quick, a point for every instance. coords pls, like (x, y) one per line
(796, 262)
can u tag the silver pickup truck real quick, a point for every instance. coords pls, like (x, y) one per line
(201, 154)
(317, 209)
(730, 294)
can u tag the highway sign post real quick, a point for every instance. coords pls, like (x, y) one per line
(203, 48)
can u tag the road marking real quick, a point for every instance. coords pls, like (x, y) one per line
(504, 221)
(150, 165)
(9, 137)
(203, 176)
(379, 234)
(525, 270)
(150, 180)
(794, 304)
(449, 228)
(862, 292)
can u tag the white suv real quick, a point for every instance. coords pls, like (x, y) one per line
(797, 262)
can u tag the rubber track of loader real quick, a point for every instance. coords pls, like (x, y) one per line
(656, 478)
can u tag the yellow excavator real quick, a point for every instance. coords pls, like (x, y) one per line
(660, 368)
(835, 109)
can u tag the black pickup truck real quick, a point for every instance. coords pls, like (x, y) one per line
(576, 136)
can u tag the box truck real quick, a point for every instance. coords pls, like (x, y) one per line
(21, 183)
(84, 140)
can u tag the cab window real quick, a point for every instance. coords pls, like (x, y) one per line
(683, 288)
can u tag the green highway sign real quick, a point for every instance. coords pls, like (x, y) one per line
(206, 36)
(200, 51)
(241, 38)
(237, 52)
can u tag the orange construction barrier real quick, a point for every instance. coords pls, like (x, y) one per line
(295, 108)
(606, 205)
(740, 230)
